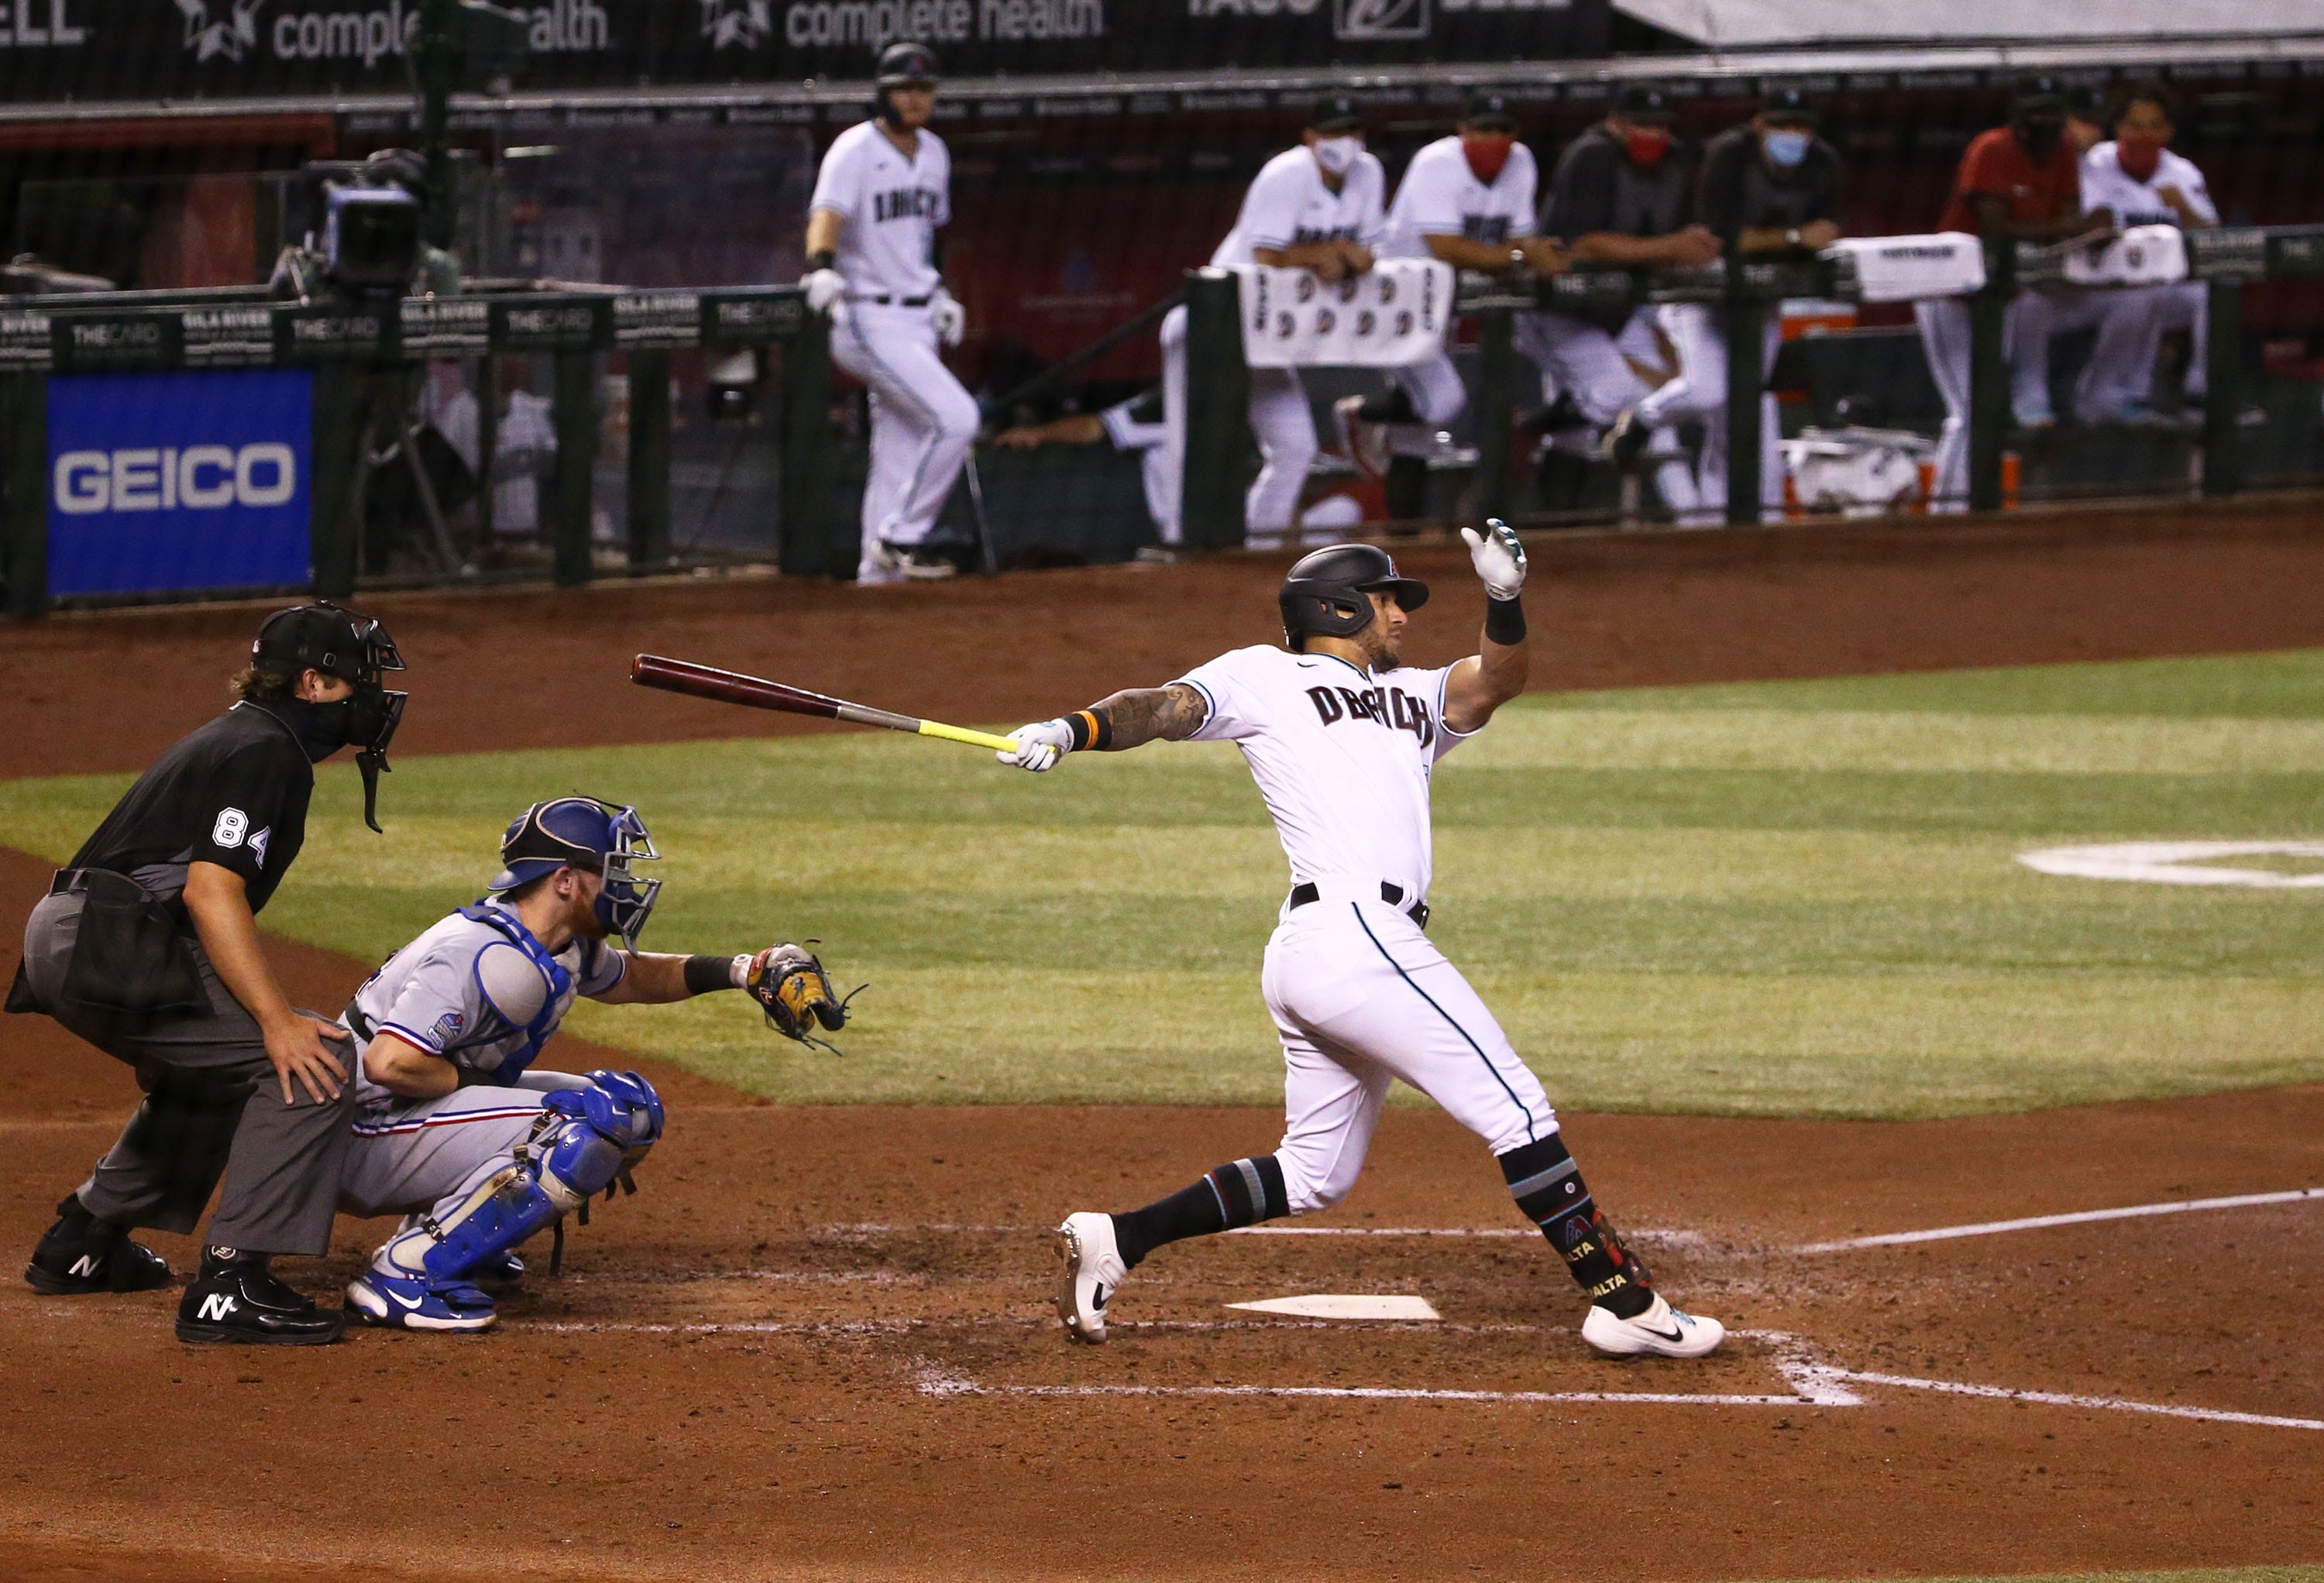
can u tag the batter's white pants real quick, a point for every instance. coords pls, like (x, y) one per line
(1280, 420)
(922, 422)
(2122, 363)
(1361, 999)
(1697, 392)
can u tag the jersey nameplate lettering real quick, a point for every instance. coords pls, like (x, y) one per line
(1389, 706)
(906, 203)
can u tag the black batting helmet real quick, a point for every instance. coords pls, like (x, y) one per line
(906, 62)
(1325, 592)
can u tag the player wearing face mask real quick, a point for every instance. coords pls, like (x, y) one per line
(2016, 183)
(2138, 178)
(1769, 188)
(1318, 206)
(1467, 200)
(1622, 196)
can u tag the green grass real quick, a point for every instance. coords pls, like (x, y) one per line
(1782, 898)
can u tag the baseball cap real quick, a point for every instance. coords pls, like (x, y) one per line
(1487, 109)
(2039, 93)
(1645, 102)
(1335, 113)
(1787, 104)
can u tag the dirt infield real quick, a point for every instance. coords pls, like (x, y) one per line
(817, 1344)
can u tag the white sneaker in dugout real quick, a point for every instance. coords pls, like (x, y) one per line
(1662, 1331)
(1093, 1272)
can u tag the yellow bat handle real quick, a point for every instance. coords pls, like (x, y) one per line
(974, 739)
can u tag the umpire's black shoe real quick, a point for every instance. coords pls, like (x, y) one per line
(236, 1298)
(81, 1253)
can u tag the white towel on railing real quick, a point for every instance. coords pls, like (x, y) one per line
(1391, 316)
(1906, 269)
(2143, 255)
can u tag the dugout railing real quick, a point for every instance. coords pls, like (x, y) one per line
(1747, 291)
(341, 345)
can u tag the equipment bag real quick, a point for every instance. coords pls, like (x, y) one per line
(131, 956)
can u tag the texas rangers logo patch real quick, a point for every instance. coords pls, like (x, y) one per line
(450, 1026)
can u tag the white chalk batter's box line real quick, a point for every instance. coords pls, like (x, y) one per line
(1813, 1384)
(1695, 1239)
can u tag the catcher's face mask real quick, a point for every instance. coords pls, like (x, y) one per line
(627, 901)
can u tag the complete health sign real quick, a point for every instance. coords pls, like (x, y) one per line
(175, 483)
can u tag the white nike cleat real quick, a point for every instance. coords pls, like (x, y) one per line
(1662, 1331)
(1092, 1274)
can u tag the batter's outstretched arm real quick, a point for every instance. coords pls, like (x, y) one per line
(1129, 719)
(1497, 672)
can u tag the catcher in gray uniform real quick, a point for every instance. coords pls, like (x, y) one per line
(453, 1123)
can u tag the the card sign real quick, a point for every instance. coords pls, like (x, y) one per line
(178, 482)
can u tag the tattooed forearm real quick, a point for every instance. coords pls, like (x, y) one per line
(1141, 714)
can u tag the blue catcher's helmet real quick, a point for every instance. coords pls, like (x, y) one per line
(597, 837)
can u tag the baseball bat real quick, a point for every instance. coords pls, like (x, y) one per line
(731, 686)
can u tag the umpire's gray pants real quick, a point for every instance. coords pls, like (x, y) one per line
(213, 1106)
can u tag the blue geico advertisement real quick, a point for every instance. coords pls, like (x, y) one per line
(177, 482)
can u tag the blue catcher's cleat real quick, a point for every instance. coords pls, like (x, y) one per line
(416, 1302)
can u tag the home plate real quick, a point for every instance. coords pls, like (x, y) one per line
(1345, 1305)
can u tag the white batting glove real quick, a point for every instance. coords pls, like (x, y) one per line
(1039, 746)
(1499, 557)
(951, 318)
(824, 288)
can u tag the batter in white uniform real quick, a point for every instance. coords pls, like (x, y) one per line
(1319, 206)
(1469, 200)
(1343, 739)
(884, 189)
(453, 1123)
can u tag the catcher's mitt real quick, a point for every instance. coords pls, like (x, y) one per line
(789, 983)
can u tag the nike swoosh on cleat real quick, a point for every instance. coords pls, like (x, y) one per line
(398, 1297)
(1676, 1333)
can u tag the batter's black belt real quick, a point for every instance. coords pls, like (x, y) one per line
(884, 300)
(1391, 893)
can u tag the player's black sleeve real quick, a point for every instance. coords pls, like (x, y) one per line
(1718, 189)
(1580, 190)
(1828, 176)
(241, 805)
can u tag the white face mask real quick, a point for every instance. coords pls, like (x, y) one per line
(1337, 155)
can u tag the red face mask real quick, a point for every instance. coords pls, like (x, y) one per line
(2140, 156)
(1648, 144)
(1487, 153)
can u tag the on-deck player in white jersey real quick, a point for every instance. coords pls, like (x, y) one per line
(1343, 738)
(1469, 200)
(1319, 206)
(884, 189)
(2137, 177)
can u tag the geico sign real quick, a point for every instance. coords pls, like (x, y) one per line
(165, 478)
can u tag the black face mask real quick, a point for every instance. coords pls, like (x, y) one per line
(322, 729)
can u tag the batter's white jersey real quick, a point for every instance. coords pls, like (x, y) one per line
(892, 203)
(1342, 758)
(1288, 204)
(2106, 184)
(1440, 195)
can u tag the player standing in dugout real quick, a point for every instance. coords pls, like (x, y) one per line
(875, 265)
(147, 947)
(1769, 188)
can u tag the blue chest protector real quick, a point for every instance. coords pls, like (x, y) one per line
(553, 973)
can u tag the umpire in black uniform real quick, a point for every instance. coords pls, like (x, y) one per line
(147, 947)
